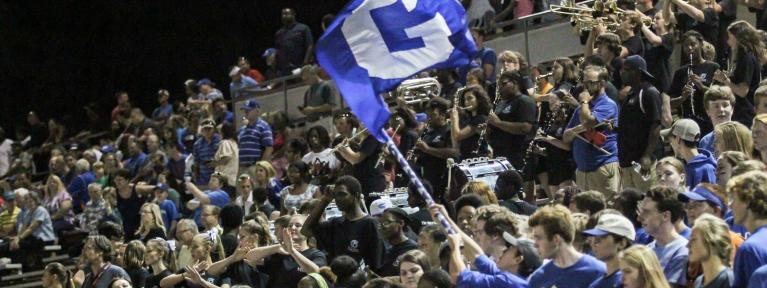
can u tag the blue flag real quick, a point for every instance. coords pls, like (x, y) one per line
(374, 45)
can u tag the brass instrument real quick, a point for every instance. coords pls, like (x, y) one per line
(587, 18)
(416, 91)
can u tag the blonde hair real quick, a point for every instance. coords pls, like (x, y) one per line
(157, 223)
(673, 162)
(482, 190)
(59, 186)
(211, 240)
(270, 172)
(751, 188)
(644, 259)
(733, 136)
(163, 246)
(715, 234)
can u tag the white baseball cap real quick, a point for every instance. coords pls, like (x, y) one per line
(613, 224)
(379, 206)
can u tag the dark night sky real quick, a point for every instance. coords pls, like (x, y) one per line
(56, 56)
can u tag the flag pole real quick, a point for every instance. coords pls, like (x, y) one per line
(393, 150)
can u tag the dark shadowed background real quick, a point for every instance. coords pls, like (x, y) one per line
(57, 56)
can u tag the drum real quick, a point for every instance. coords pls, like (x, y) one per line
(482, 169)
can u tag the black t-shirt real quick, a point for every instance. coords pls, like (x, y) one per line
(129, 210)
(519, 207)
(709, 28)
(358, 239)
(370, 177)
(420, 219)
(229, 241)
(469, 145)
(639, 112)
(658, 61)
(138, 276)
(391, 264)
(635, 45)
(520, 108)
(615, 73)
(240, 273)
(283, 271)
(747, 70)
(705, 71)
(153, 281)
(154, 233)
(435, 168)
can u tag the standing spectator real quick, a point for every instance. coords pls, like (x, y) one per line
(255, 138)
(133, 262)
(205, 150)
(553, 232)
(701, 165)
(759, 134)
(213, 196)
(485, 58)
(207, 94)
(698, 15)
(185, 232)
(354, 234)
(659, 212)
(226, 158)
(5, 153)
(613, 234)
(640, 268)
(660, 46)
(270, 57)
(241, 85)
(139, 123)
(165, 110)
(639, 118)
(247, 70)
(719, 102)
(319, 99)
(168, 208)
(508, 188)
(9, 214)
(130, 197)
(596, 169)
(749, 209)
(294, 43)
(748, 54)
(136, 157)
(123, 105)
(160, 257)
(394, 224)
(299, 191)
(95, 210)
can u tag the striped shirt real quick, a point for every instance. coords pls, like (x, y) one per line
(252, 140)
(8, 218)
(203, 153)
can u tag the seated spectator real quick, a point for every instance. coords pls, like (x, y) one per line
(78, 188)
(161, 259)
(421, 218)
(640, 268)
(98, 254)
(287, 270)
(152, 225)
(213, 196)
(553, 233)
(197, 275)
(431, 240)
(266, 177)
(231, 220)
(9, 214)
(58, 202)
(167, 207)
(35, 230)
(659, 211)
(56, 275)
(185, 232)
(254, 240)
(300, 191)
(480, 189)
(749, 209)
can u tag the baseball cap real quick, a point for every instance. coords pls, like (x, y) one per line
(686, 129)
(208, 123)
(526, 248)
(399, 213)
(637, 62)
(379, 206)
(701, 193)
(250, 105)
(268, 52)
(421, 117)
(613, 224)
(161, 186)
(205, 81)
(107, 149)
(9, 196)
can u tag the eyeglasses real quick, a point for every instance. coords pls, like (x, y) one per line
(592, 83)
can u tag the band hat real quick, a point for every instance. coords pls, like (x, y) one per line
(701, 193)
(686, 129)
(613, 224)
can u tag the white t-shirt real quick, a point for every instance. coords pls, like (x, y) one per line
(325, 157)
(295, 201)
(5, 156)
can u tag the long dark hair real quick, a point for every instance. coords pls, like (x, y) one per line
(749, 40)
(569, 70)
(483, 102)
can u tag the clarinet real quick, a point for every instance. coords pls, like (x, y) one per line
(411, 156)
(691, 85)
(382, 155)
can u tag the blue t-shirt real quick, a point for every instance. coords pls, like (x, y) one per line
(218, 198)
(751, 255)
(169, 213)
(488, 275)
(587, 158)
(642, 237)
(581, 274)
(486, 55)
(673, 259)
(608, 281)
(759, 278)
(740, 230)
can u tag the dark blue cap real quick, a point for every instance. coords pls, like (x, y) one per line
(269, 52)
(205, 81)
(700, 193)
(162, 186)
(107, 149)
(250, 105)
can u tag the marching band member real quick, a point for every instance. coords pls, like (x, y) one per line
(435, 146)
(466, 130)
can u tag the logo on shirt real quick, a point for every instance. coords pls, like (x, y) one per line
(353, 246)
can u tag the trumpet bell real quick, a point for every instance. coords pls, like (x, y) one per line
(416, 91)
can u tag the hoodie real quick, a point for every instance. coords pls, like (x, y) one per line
(701, 168)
